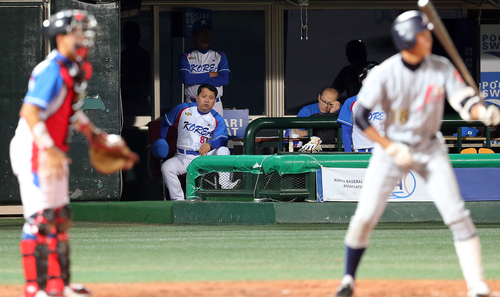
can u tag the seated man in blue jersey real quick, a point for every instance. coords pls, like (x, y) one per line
(327, 106)
(353, 137)
(200, 131)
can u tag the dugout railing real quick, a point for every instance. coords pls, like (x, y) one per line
(288, 176)
(252, 130)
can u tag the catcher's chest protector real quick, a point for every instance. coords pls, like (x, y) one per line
(66, 110)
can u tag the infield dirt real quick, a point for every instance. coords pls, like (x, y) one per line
(309, 288)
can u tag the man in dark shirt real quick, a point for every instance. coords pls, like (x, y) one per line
(347, 80)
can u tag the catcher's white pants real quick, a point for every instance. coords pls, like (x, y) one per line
(37, 191)
(431, 162)
(177, 165)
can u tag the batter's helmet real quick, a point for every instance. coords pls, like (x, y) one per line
(406, 26)
(364, 71)
(66, 21)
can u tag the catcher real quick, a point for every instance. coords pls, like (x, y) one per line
(49, 114)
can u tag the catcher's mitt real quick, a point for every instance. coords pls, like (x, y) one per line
(313, 146)
(111, 154)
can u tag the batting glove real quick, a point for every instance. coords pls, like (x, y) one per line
(313, 146)
(400, 153)
(490, 115)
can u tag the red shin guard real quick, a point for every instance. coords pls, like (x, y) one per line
(54, 282)
(30, 267)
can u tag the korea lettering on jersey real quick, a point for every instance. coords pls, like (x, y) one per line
(50, 88)
(197, 62)
(407, 105)
(195, 128)
(376, 118)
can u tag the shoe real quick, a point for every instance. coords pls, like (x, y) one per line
(76, 290)
(480, 289)
(39, 293)
(42, 293)
(232, 186)
(346, 287)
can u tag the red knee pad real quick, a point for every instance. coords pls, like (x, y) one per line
(63, 219)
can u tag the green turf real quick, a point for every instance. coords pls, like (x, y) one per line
(127, 252)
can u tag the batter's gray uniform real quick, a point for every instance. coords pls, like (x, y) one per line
(413, 98)
(414, 103)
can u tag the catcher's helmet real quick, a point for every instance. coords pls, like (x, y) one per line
(406, 26)
(68, 21)
(364, 71)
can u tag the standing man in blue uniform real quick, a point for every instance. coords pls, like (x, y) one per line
(203, 65)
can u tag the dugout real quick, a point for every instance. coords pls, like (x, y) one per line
(279, 78)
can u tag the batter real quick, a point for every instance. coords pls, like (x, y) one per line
(411, 87)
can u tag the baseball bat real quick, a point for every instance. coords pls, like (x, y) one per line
(443, 36)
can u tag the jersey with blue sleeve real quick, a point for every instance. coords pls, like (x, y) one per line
(345, 116)
(351, 132)
(195, 128)
(194, 68)
(376, 117)
(48, 91)
(346, 119)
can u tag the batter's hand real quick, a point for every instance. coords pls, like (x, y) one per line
(490, 115)
(205, 148)
(53, 163)
(400, 153)
(335, 107)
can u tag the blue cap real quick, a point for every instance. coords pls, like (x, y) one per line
(201, 24)
(466, 131)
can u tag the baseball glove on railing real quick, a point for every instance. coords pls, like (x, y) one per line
(313, 146)
(109, 154)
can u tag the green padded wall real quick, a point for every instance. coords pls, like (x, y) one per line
(21, 50)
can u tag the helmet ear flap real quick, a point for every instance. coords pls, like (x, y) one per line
(409, 40)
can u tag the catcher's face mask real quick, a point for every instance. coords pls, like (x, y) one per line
(82, 28)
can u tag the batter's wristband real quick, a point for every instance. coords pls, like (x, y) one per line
(42, 137)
